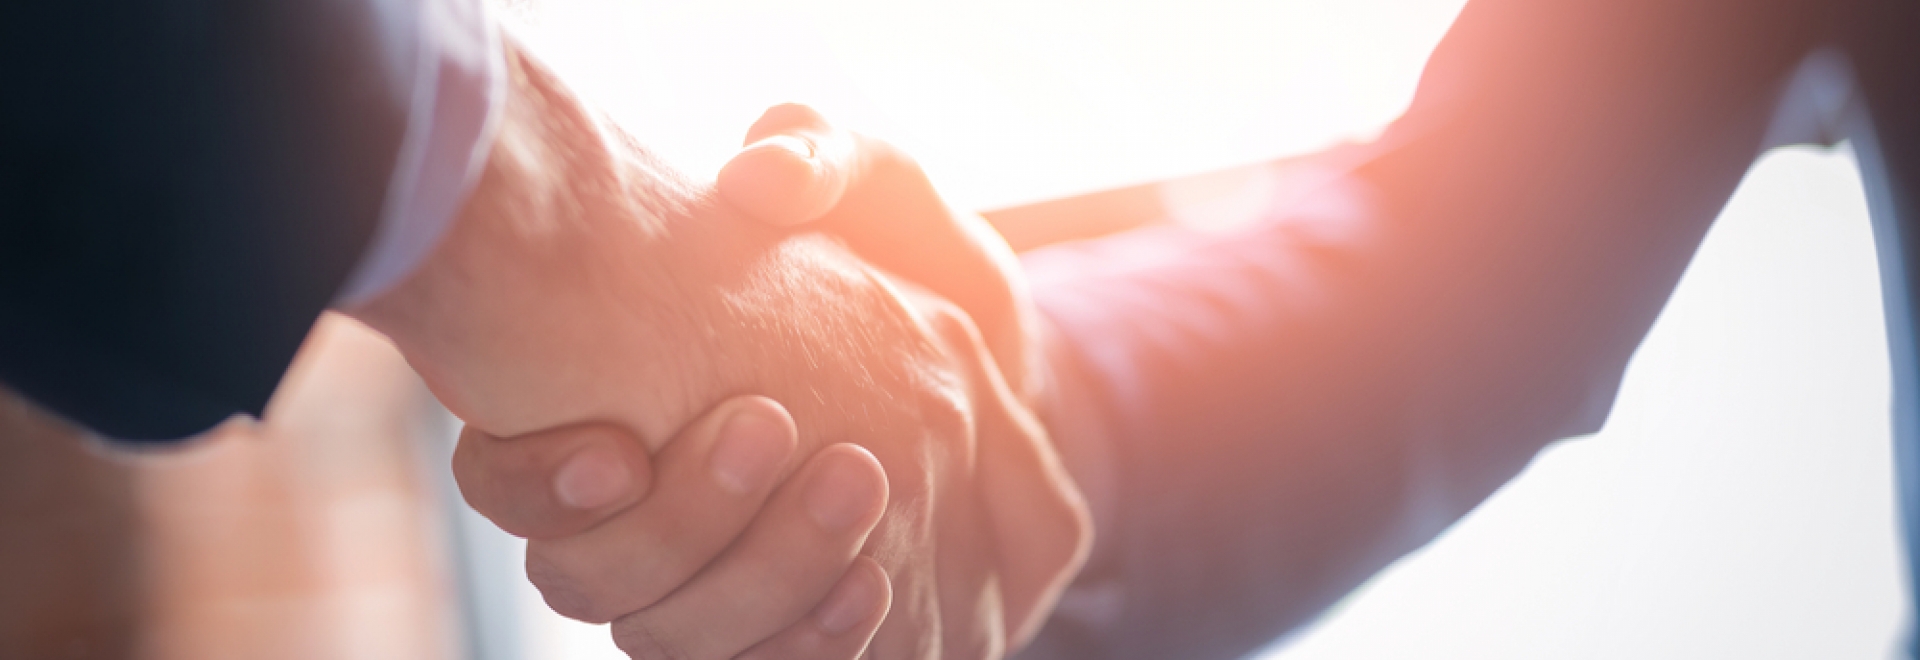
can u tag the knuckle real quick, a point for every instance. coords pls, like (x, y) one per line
(645, 574)
(951, 322)
(559, 589)
(946, 412)
(635, 638)
(471, 473)
(594, 582)
(502, 482)
(893, 165)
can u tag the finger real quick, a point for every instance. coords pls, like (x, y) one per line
(710, 482)
(551, 483)
(787, 118)
(841, 626)
(794, 169)
(972, 624)
(892, 215)
(799, 168)
(1042, 526)
(781, 568)
(1042, 529)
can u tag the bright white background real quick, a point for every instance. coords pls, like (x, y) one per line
(1738, 504)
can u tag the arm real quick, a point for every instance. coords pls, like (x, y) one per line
(183, 189)
(585, 282)
(164, 260)
(797, 170)
(1293, 406)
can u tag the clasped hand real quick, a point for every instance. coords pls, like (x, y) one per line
(733, 439)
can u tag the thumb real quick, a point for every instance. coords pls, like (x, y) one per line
(552, 483)
(795, 168)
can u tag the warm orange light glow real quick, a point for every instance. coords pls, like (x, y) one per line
(1622, 545)
(1004, 101)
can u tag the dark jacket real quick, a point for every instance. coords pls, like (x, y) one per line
(1298, 404)
(184, 185)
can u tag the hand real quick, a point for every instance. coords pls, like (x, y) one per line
(797, 169)
(639, 554)
(714, 478)
(584, 283)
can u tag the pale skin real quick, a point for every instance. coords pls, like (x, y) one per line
(900, 501)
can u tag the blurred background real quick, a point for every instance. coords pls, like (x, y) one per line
(1738, 504)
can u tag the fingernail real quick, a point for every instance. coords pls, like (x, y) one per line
(592, 478)
(849, 604)
(842, 494)
(752, 446)
(799, 147)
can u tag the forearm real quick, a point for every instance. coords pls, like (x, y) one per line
(549, 220)
(585, 281)
(183, 189)
(1296, 404)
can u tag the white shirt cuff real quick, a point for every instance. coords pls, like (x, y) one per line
(458, 88)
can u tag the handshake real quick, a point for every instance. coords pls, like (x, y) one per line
(795, 414)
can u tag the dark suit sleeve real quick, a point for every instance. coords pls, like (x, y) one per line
(1296, 405)
(183, 188)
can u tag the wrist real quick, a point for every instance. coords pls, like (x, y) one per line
(530, 248)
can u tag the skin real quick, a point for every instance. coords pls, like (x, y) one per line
(798, 169)
(592, 298)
